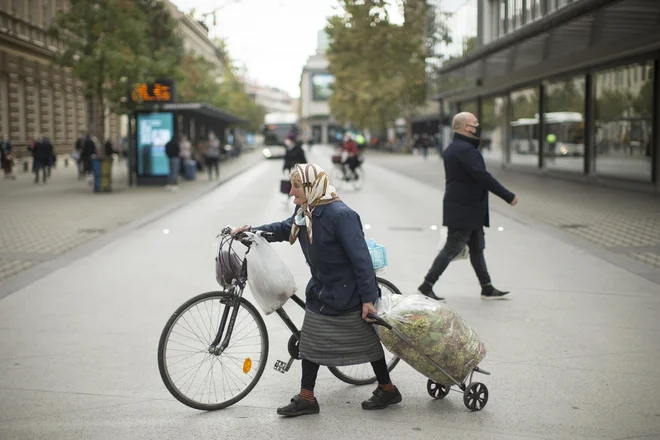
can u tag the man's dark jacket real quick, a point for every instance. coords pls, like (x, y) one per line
(467, 184)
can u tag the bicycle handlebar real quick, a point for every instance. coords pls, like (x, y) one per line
(242, 237)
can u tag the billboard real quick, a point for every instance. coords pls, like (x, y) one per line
(322, 86)
(154, 130)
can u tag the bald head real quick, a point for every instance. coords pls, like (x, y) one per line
(465, 123)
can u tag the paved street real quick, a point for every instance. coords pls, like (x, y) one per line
(41, 222)
(573, 352)
(623, 223)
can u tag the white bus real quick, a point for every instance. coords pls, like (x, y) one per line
(567, 128)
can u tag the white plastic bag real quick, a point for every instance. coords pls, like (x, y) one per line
(465, 253)
(270, 281)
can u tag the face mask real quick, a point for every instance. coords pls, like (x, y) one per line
(477, 130)
(300, 220)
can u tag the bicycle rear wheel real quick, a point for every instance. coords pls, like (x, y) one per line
(193, 374)
(363, 374)
(359, 182)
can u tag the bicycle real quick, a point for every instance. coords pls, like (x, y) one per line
(226, 339)
(340, 174)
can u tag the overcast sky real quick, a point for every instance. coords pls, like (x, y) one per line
(274, 38)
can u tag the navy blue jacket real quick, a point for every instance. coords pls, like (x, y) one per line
(343, 277)
(467, 185)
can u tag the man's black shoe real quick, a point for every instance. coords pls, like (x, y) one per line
(426, 289)
(299, 407)
(381, 399)
(489, 292)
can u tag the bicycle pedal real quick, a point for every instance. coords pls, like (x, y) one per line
(283, 367)
(280, 366)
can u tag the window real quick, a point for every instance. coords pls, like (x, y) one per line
(524, 145)
(563, 136)
(538, 12)
(623, 125)
(502, 22)
(493, 128)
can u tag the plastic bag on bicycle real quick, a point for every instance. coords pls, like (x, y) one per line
(270, 280)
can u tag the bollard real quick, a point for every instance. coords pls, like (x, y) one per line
(25, 166)
(66, 162)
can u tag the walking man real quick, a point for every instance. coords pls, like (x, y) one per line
(465, 205)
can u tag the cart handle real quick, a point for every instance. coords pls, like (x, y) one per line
(379, 320)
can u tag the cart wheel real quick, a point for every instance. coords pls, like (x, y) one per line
(436, 390)
(475, 396)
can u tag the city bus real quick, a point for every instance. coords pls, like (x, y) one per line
(568, 128)
(277, 126)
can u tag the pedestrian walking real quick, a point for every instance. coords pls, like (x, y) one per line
(213, 156)
(42, 152)
(465, 205)
(6, 158)
(340, 294)
(173, 152)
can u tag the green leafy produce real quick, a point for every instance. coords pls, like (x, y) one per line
(433, 329)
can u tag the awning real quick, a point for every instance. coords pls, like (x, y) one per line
(575, 37)
(200, 108)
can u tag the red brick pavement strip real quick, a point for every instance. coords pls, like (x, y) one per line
(41, 221)
(623, 222)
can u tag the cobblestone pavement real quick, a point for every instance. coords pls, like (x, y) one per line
(623, 222)
(41, 221)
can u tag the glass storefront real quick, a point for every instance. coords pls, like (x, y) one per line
(524, 143)
(470, 106)
(563, 136)
(493, 123)
(623, 126)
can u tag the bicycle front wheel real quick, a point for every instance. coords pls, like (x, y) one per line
(192, 372)
(363, 374)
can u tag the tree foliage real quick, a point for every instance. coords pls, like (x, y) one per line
(201, 83)
(379, 67)
(112, 43)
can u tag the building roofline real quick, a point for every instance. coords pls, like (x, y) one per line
(551, 20)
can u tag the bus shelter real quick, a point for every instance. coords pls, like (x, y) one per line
(152, 127)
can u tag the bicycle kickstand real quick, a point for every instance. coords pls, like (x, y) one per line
(282, 367)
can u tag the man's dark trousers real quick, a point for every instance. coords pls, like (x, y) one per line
(456, 241)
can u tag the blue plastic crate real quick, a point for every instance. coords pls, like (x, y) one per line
(378, 256)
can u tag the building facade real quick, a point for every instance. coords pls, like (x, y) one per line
(567, 88)
(37, 98)
(272, 99)
(317, 124)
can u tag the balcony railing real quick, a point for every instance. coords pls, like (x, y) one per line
(28, 33)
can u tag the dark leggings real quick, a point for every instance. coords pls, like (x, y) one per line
(310, 370)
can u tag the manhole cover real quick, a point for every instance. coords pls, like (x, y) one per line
(91, 231)
(574, 226)
(405, 228)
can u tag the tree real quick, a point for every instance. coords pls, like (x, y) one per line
(380, 68)
(200, 83)
(110, 44)
(357, 55)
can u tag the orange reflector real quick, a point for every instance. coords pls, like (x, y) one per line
(247, 365)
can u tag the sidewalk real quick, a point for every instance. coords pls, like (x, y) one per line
(39, 222)
(622, 222)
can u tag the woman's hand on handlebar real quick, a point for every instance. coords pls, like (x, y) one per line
(239, 230)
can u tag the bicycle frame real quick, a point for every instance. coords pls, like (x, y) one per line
(235, 294)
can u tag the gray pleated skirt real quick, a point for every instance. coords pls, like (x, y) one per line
(336, 341)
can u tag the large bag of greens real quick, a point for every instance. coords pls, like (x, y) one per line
(432, 329)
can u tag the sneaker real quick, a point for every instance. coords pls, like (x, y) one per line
(299, 407)
(381, 399)
(426, 289)
(489, 292)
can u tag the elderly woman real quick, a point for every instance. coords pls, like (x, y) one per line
(340, 294)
